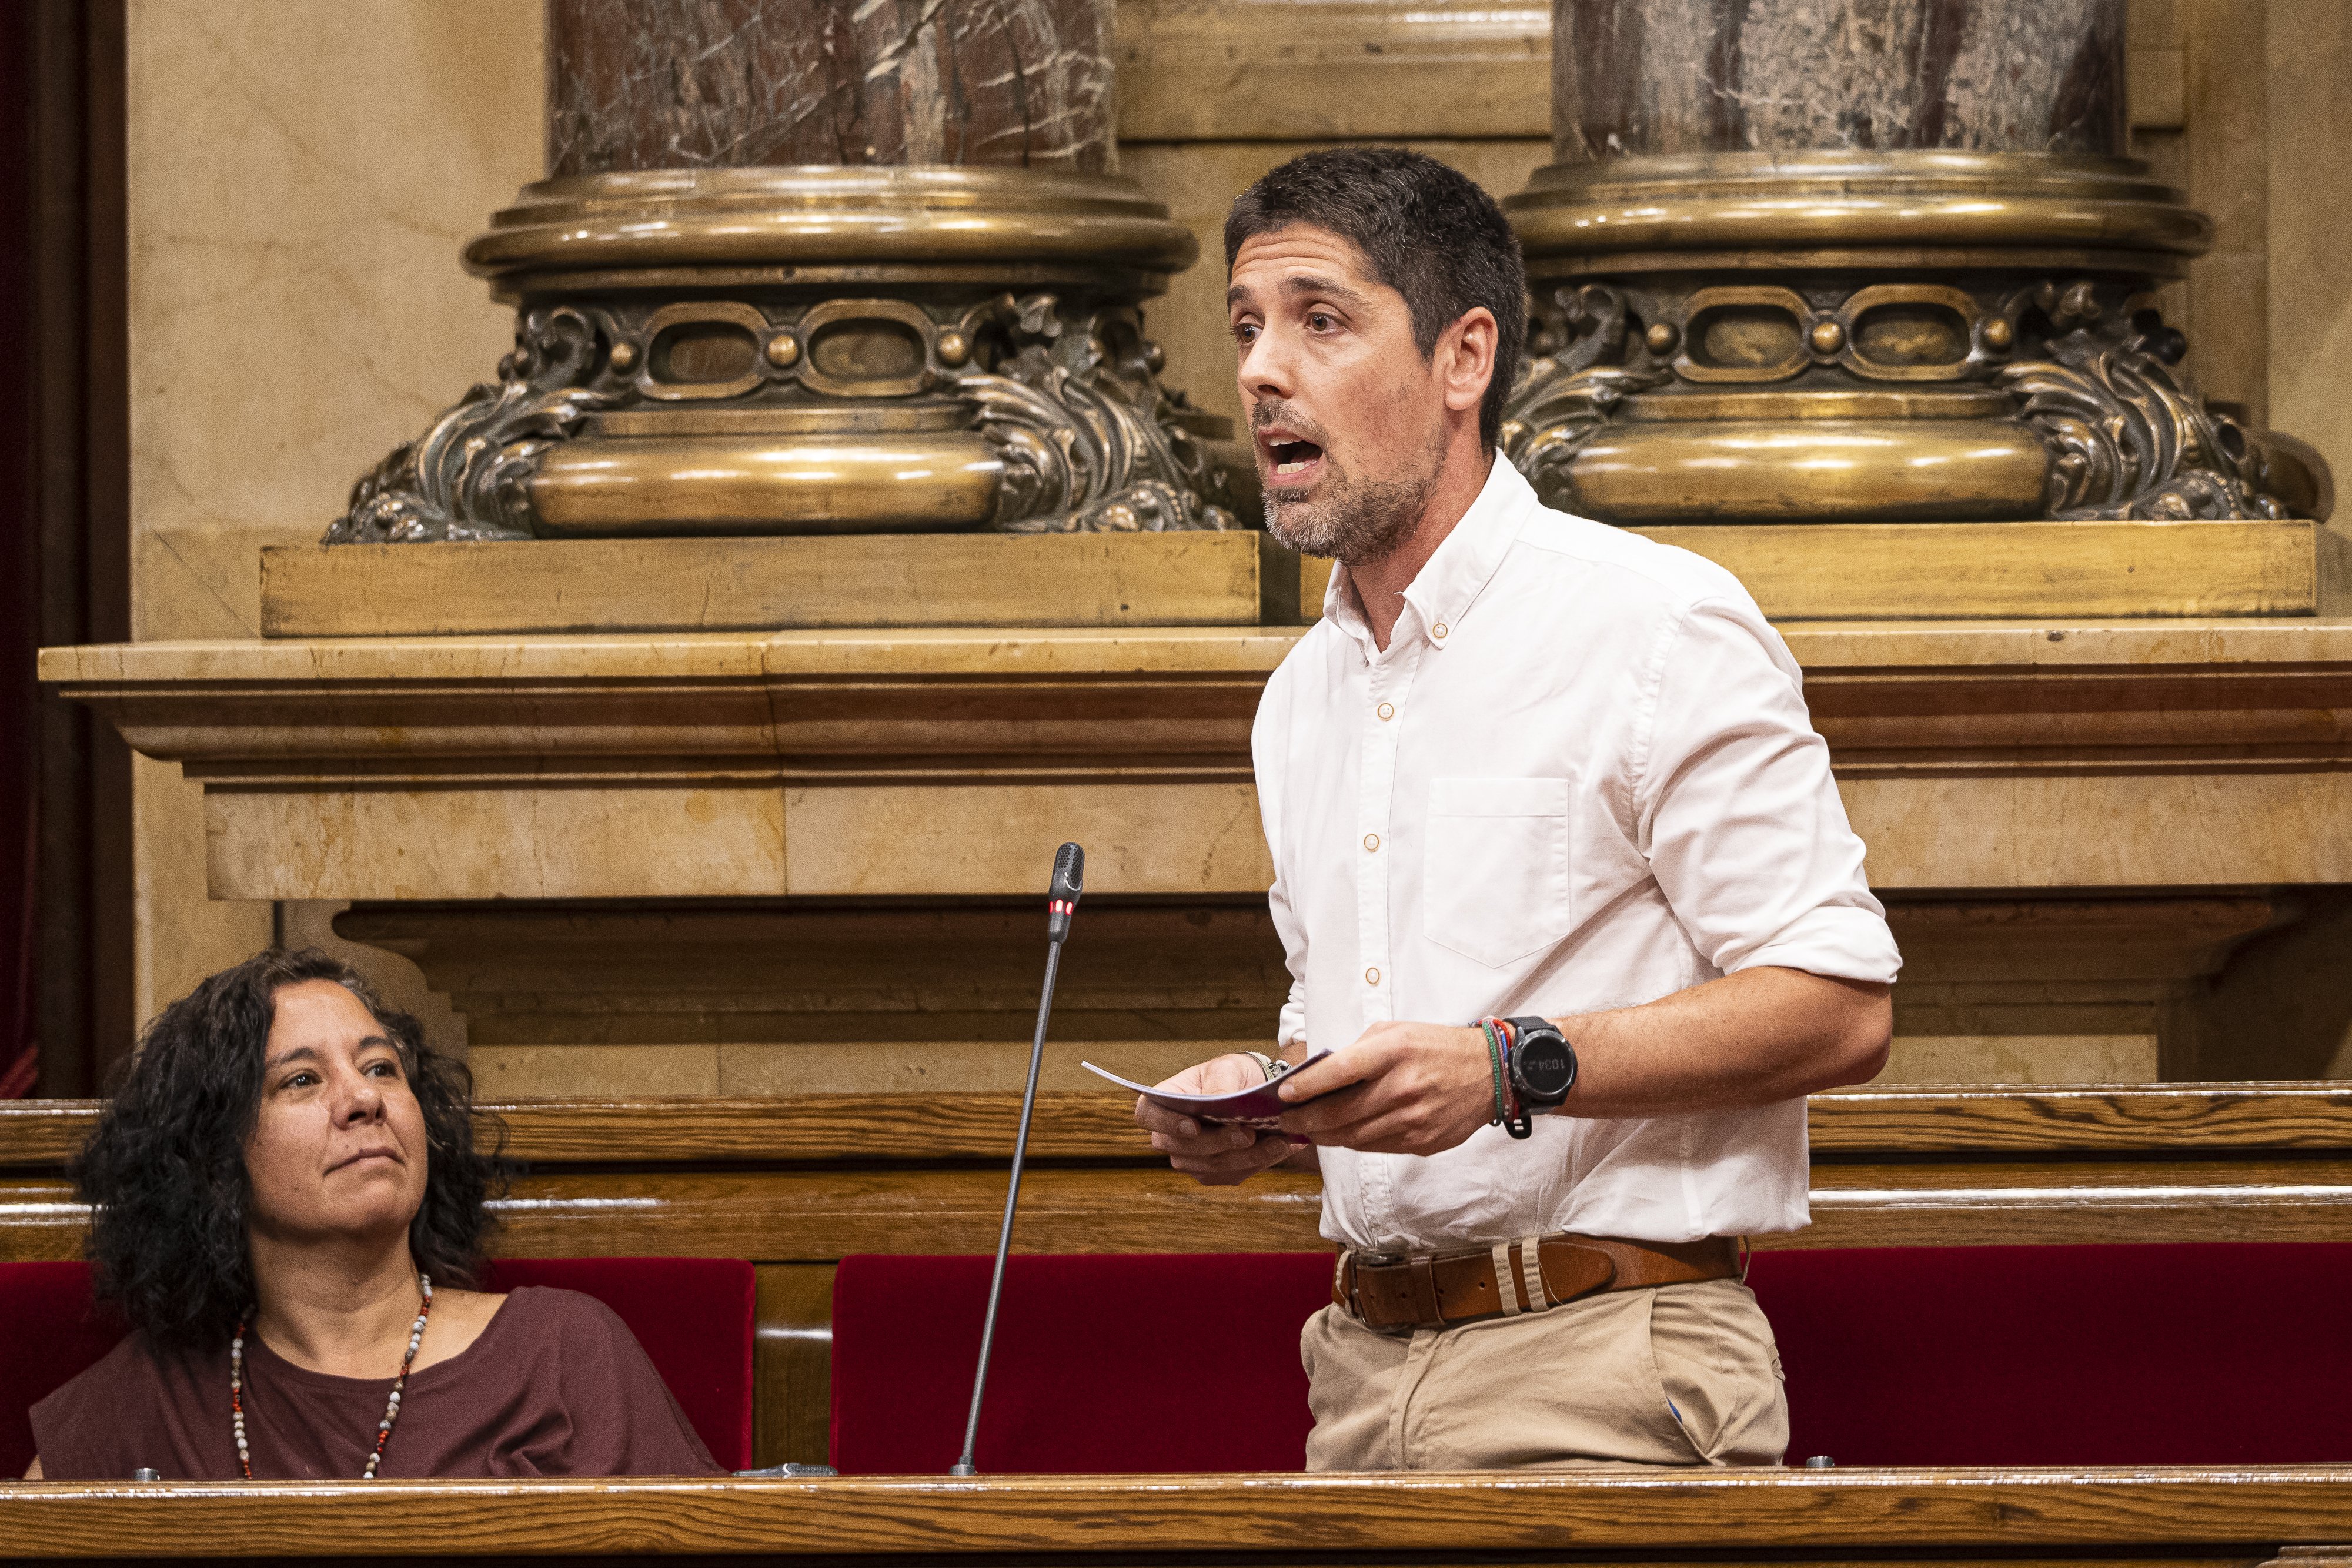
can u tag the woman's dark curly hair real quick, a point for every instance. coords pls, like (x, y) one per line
(165, 1169)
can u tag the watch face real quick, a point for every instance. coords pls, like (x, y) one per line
(1544, 1068)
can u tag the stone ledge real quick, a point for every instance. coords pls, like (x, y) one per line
(932, 763)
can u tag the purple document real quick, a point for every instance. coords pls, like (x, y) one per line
(1256, 1106)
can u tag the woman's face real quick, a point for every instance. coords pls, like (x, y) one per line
(338, 1147)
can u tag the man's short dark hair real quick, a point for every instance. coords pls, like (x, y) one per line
(1426, 230)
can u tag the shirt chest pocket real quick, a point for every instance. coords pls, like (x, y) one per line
(1495, 867)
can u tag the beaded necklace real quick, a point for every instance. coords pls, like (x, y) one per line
(391, 1411)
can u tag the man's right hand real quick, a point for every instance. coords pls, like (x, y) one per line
(1215, 1154)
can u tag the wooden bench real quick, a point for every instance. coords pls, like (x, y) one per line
(794, 1184)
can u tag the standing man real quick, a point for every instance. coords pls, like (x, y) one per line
(1565, 884)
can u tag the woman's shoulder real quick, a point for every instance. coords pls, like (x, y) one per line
(552, 1309)
(118, 1402)
(136, 1366)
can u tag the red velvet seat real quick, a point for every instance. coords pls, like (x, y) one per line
(693, 1315)
(2218, 1354)
(1980, 1355)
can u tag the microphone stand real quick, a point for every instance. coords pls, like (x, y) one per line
(1069, 867)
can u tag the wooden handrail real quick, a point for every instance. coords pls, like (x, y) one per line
(2112, 1514)
(2183, 1120)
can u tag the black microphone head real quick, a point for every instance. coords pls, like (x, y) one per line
(1069, 875)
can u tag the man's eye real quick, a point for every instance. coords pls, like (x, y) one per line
(1246, 332)
(1321, 322)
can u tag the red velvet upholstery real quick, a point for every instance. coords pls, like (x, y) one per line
(1100, 1364)
(693, 1315)
(2065, 1356)
(1977, 1355)
(49, 1331)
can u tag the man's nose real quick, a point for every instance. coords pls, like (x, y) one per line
(1267, 370)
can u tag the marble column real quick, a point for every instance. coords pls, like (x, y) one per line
(731, 84)
(1633, 77)
(1863, 260)
(818, 266)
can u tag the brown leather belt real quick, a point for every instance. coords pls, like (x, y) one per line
(1437, 1290)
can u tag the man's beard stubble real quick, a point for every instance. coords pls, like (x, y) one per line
(1355, 520)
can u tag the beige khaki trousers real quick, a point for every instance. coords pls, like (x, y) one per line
(1678, 1375)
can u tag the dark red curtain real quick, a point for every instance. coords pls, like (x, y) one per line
(65, 875)
(19, 558)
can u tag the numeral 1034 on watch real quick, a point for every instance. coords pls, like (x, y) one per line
(1541, 1064)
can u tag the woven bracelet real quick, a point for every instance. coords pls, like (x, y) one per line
(1495, 1057)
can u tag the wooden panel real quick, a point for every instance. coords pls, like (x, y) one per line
(2105, 1515)
(717, 584)
(792, 1366)
(1897, 571)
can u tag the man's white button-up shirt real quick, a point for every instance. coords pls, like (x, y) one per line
(1580, 776)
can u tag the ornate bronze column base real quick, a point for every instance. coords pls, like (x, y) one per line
(815, 350)
(1886, 336)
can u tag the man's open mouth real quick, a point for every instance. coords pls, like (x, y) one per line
(1292, 456)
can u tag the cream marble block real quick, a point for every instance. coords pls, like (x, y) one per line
(2118, 829)
(686, 840)
(846, 1067)
(980, 838)
(603, 1071)
(181, 932)
(649, 840)
(2019, 1059)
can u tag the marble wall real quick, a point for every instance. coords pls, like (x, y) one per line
(301, 175)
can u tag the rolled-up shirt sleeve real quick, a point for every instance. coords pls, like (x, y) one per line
(1738, 811)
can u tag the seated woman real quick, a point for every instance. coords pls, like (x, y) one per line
(288, 1210)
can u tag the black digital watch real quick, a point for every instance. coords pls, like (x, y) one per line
(1542, 1064)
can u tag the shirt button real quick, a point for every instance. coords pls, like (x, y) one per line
(1371, 841)
(1371, 977)
(1438, 630)
(1388, 710)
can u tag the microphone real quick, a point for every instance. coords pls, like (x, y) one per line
(1061, 904)
(1062, 897)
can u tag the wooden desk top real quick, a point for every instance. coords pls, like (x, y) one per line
(2115, 1515)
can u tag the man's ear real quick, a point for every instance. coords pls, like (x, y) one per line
(1464, 359)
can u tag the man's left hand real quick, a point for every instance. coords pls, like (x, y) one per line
(1418, 1089)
